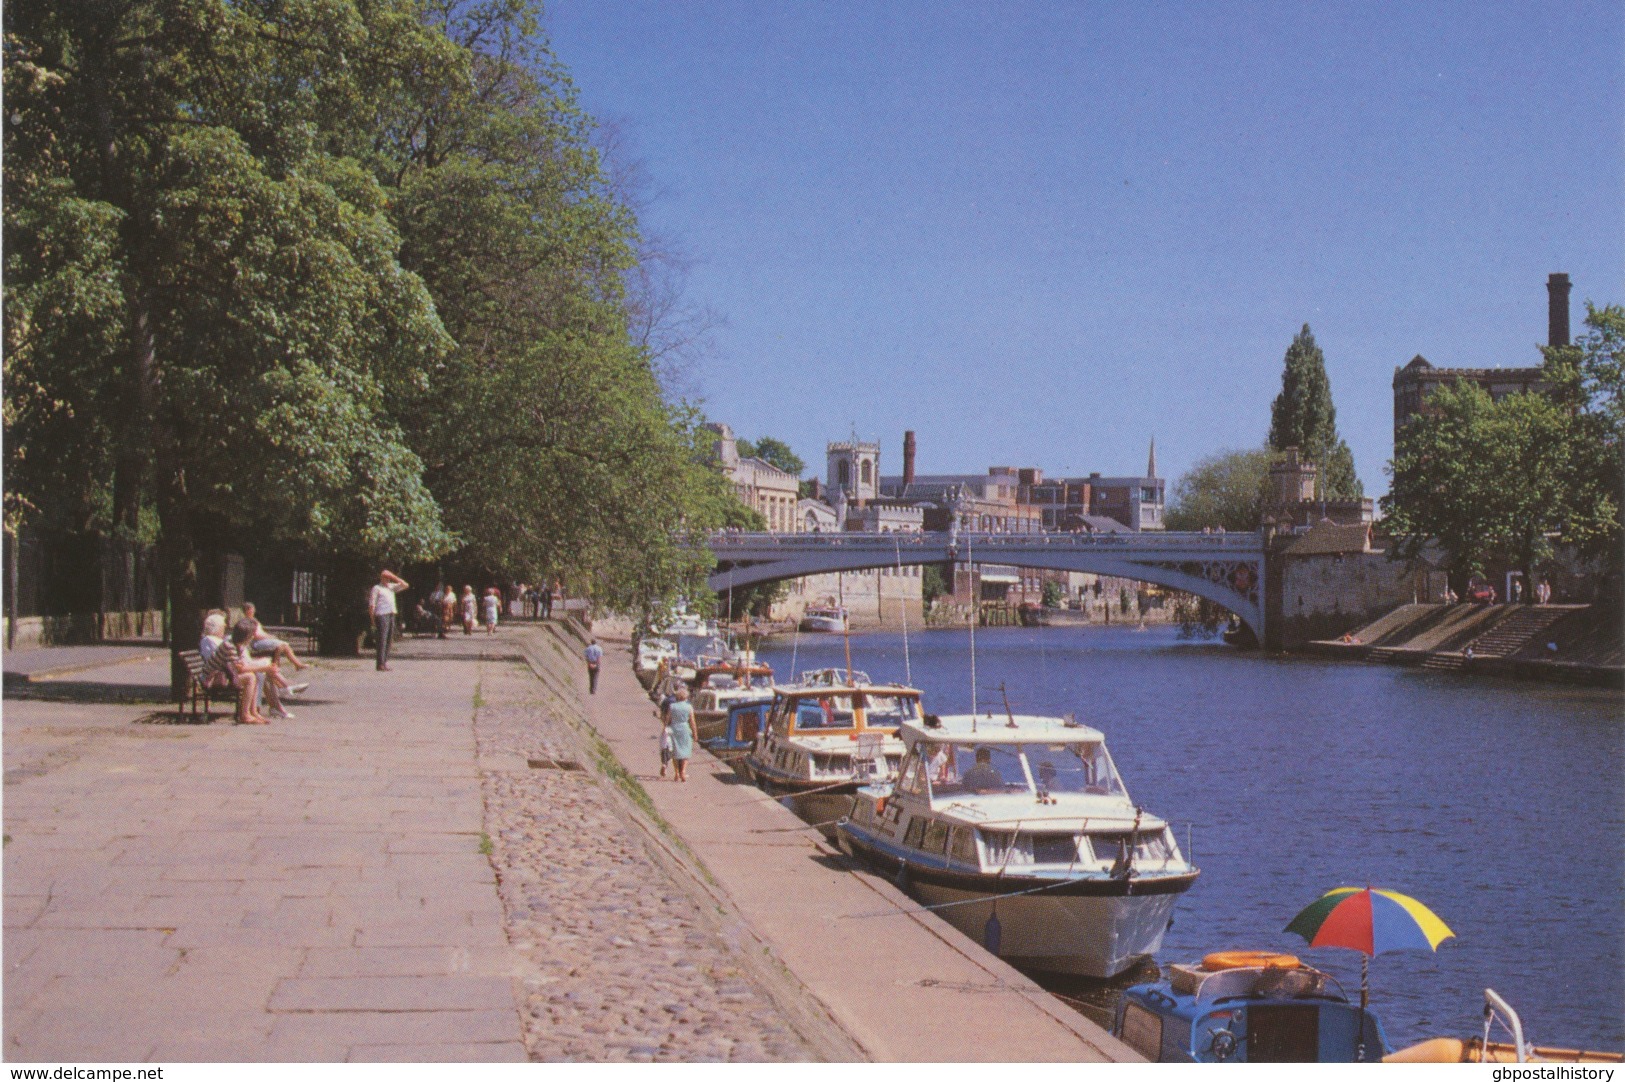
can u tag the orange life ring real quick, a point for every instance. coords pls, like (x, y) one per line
(1249, 960)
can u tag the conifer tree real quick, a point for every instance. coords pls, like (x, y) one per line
(1303, 416)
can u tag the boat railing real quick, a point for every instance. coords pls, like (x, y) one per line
(1498, 1010)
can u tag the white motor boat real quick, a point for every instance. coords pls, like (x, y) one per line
(1023, 823)
(823, 618)
(820, 743)
(652, 651)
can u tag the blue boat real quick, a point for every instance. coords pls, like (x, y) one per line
(745, 721)
(1247, 1007)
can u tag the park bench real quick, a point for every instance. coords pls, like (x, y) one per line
(198, 695)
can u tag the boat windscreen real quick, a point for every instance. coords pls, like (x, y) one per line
(1074, 768)
(983, 768)
(889, 711)
(824, 712)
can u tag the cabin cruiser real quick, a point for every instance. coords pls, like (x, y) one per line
(652, 651)
(823, 618)
(828, 678)
(734, 668)
(1247, 1007)
(1262, 1007)
(1021, 829)
(820, 743)
(743, 724)
(720, 692)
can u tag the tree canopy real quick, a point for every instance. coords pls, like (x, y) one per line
(1226, 489)
(1512, 479)
(344, 277)
(774, 452)
(1303, 416)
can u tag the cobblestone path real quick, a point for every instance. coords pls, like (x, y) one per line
(626, 964)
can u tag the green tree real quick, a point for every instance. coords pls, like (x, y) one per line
(1303, 416)
(775, 453)
(1590, 383)
(933, 583)
(1483, 479)
(546, 438)
(1226, 489)
(231, 271)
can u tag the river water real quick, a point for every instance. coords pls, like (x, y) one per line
(1500, 805)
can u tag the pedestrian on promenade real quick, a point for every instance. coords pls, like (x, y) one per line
(492, 604)
(595, 657)
(547, 601)
(382, 607)
(448, 609)
(470, 605)
(680, 729)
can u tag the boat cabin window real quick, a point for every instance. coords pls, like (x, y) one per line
(916, 833)
(747, 723)
(1153, 845)
(936, 837)
(722, 681)
(761, 680)
(962, 846)
(1029, 848)
(825, 712)
(912, 781)
(889, 711)
(982, 768)
(1074, 768)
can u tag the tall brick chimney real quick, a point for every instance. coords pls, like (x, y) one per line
(1557, 312)
(908, 459)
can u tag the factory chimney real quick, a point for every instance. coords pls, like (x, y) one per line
(908, 459)
(1557, 318)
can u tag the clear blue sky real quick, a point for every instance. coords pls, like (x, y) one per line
(1041, 233)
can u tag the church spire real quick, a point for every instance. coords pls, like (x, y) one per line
(1151, 466)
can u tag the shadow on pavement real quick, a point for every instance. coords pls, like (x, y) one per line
(88, 691)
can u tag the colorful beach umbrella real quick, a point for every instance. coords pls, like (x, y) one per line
(1371, 922)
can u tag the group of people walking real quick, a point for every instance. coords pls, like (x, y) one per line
(446, 609)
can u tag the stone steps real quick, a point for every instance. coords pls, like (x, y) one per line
(1515, 632)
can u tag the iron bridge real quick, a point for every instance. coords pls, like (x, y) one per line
(1226, 569)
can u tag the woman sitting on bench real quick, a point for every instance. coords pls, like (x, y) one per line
(230, 664)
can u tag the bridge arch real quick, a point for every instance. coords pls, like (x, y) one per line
(1228, 571)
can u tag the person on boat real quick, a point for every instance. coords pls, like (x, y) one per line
(941, 765)
(983, 777)
(680, 726)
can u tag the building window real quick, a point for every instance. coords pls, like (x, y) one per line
(843, 473)
(864, 468)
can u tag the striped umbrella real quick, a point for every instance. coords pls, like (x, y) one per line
(1369, 921)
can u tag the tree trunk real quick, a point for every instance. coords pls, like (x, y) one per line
(344, 620)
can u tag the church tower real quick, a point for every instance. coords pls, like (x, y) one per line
(853, 467)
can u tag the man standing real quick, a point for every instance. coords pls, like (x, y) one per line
(547, 601)
(594, 655)
(382, 607)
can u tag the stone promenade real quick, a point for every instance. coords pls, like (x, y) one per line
(327, 888)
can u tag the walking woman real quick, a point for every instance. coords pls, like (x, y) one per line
(470, 606)
(680, 726)
(491, 603)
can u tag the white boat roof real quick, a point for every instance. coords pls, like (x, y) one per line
(818, 691)
(995, 728)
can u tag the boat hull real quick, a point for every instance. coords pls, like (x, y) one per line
(1088, 927)
(822, 623)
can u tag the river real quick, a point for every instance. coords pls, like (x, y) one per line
(1500, 805)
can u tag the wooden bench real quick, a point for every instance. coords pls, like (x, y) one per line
(197, 695)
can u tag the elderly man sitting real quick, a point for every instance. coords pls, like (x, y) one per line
(227, 662)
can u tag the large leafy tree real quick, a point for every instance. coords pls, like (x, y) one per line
(546, 438)
(1226, 489)
(1303, 416)
(775, 452)
(202, 285)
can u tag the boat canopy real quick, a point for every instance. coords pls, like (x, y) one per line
(957, 768)
(998, 728)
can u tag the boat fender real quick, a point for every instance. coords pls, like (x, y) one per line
(1249, 960)
(880, 806)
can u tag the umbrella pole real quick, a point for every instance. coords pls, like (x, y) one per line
(1365, 987)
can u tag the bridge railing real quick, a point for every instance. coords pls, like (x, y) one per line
(1162, 542)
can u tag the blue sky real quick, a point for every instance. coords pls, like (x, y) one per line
(1041, 233)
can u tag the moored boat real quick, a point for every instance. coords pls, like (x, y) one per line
(742, 726)
(1021, 829)
(821, 742)
(824, 618)
(713, 701)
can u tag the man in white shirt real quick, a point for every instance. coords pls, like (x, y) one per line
(382, 607)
